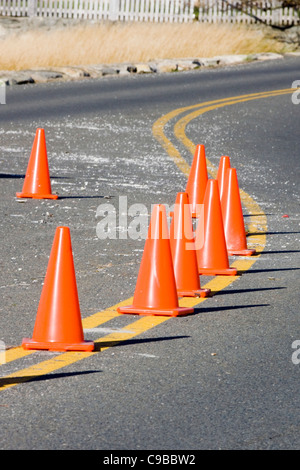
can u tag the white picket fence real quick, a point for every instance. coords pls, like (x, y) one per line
(207, 11)
(269, 12)
(113, 10)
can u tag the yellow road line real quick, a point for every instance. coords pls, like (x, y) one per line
(89, 322)
(68, 358)
(257, 241)
(258, 220)
(180, 126)
(145, 323)
(158, 127)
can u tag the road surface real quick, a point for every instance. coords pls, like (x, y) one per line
(225, 377)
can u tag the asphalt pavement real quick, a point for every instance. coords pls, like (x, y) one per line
(225, 377)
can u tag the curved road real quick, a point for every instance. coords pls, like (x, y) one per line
(225, 377)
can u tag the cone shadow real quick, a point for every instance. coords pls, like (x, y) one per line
(81, 197)
(109, 344)
(205, 310)
(10, 175)
(256, 215)
(253, 271)
(279, 252)
(244, 291)
(33, 378)
(250, 234)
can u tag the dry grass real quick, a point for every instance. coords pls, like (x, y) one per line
(127, 42)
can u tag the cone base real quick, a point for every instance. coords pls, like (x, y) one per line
(174, 312)
(29, 343)
(36, 196)
(221, 272)
(194, 293)
(247, 252)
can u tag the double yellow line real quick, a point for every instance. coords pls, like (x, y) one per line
(257, 227)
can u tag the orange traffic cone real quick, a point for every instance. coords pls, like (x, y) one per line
(37, 180)
(223, 166)
(58, 325)
(155, 291)
(183, 250)
(212, 253)
(197, 180)
(233, 219)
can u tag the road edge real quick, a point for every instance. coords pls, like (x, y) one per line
(85, 72)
